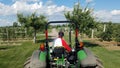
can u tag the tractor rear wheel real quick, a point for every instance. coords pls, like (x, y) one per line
(34, 62)
(99, 63)
(27, 63)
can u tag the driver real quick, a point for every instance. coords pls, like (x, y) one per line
(60, 42)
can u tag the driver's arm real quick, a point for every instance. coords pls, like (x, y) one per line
(66, 46)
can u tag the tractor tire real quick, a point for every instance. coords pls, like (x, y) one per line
(34, 62)
(27, 63)
(99, 63)
(94, 61)
(90, 60)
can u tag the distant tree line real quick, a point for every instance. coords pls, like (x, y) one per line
(12, 33)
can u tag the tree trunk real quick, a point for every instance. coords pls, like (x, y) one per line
(26, 31)
(104, 28)
(34, 40)
(92, 34)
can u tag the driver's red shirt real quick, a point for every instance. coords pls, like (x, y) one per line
(66, 46)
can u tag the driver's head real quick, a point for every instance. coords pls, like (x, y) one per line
(61, 34)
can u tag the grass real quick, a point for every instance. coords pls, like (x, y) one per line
(110, 58)
(15, 56)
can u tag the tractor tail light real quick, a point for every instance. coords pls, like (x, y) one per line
(42, 47)
(81, 44)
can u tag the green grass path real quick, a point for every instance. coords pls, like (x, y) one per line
(110, 58)
(15, 56)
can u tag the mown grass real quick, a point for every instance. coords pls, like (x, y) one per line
(15, 56)
(109, 58)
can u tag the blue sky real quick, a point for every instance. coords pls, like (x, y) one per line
(104, 10)
(107, 4)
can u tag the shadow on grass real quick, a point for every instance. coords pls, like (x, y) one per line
(6, 47)
(43, 40)
(89, 44)
(50, 39)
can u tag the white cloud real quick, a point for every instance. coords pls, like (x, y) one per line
(6, 10)
(115, 12)
(48, 9)
(4, 22)
(104, 15)
(25, 7)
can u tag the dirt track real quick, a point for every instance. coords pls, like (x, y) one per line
(53, 33)
(108, 45)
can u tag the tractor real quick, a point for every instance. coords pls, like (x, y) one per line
(80, 57)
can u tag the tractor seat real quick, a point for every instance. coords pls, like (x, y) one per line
(58, 52)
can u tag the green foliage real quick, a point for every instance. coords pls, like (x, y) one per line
(108, 34)
(12, 33)
(99, 30)
(112, 31)
(82, 17)
(116, 32)
(37, 22)
(88, 32)
(34, 21)
(4, 34)
(23, 20)
(15, 24)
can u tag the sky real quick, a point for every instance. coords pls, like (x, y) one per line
(104, 10)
